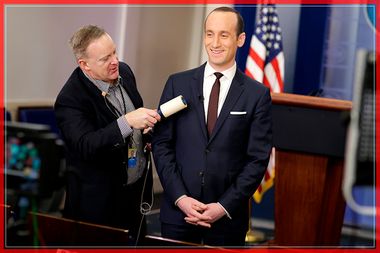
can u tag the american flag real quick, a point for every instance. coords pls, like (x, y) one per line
(265, 63)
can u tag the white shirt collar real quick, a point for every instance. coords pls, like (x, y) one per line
(228, 73)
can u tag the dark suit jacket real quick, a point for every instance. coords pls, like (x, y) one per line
(225, 168)
(96, 152)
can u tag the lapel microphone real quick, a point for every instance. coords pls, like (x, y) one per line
(104, 95)
(172, 106)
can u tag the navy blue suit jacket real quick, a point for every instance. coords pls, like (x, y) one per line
(228, 166)
(96, 152)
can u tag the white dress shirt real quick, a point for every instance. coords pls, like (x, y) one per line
(225, 84)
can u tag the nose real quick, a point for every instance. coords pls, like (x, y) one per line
(216, 41)
(114, 59)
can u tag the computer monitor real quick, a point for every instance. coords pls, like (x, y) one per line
(33, 161)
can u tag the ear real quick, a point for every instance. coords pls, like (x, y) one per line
(241, 39)
(83, 64)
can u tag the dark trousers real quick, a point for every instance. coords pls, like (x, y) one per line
(202, 235)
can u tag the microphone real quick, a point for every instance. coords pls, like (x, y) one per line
(172, 106)
(104, 94)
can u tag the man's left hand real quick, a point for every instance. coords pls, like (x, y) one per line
(213, 210)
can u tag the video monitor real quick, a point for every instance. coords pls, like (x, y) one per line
(33, 157)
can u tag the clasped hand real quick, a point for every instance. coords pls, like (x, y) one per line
(198, 213)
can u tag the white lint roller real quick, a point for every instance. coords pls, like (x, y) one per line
(172, 106)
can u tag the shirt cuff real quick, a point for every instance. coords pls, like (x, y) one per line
(228, 215)
(124, 127)
(176, 202)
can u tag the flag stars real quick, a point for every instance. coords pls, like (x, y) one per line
(268, 30)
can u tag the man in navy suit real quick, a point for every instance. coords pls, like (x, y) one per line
(99, 112)
(209, 171)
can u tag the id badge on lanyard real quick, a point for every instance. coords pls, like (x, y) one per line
(132, 154)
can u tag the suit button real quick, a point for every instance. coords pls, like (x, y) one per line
(207, 151)
(116, 145)
(201, 174)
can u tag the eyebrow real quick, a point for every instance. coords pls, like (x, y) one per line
(210, 31)
(104, 57)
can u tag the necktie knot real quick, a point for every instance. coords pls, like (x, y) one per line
(218, 75)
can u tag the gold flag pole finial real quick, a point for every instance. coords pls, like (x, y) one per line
(253, 236)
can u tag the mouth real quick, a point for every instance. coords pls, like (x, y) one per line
(114, 70)
(216, 51)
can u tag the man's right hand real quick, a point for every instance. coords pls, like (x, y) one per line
(142, 118)
(193, 209)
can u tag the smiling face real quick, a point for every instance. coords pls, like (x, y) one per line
(101, 61)
(221, 40)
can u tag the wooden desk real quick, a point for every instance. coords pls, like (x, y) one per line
(56, 231)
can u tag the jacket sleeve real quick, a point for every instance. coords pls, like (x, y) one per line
(163, 144)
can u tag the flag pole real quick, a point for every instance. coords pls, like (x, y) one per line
(253, 236)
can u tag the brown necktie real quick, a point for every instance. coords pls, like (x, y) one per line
(212, 113)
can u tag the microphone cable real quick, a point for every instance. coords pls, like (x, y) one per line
(109, 108)
(145, 207)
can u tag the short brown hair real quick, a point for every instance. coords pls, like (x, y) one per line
(83, 37)
(240, 21)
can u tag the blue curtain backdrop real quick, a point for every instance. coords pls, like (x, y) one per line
(311, 37)
(248, 12)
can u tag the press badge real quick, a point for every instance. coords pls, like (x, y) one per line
(132, 159)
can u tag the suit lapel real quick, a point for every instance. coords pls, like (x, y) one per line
(197, 83)
(236, 89)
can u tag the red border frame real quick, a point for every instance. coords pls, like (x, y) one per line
(178, 2)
